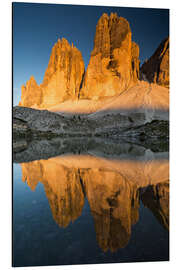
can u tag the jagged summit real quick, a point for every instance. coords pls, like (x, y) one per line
(156, 68)
(113, 68)
(62, 78)
(31, 94)
(60, 59)
(114, 62)
(110, 31)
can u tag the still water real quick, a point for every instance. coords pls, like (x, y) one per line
(90, 208)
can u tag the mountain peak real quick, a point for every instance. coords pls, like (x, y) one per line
(156, 68)
(113, 66)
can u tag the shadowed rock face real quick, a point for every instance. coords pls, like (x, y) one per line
(135, 61)
(112, 190)
(156, 68)
(62, 79)
(156, 198)
(114, 62)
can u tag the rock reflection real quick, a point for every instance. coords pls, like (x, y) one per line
(156, 198)
(114, 204)
(62, 187)
(113, 189)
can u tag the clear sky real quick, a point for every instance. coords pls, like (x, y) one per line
(36, 28)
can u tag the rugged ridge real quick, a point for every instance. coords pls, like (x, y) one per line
(114, 62)
(156, 68)
(62, 79)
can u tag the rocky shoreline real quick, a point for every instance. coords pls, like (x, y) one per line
(29, 123)
(36, 127)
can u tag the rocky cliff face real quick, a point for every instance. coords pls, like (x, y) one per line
(135, 61)
(62, 79)
(113, 68)
(31, 94)
(64, 74)
(156, 68)
(114, 62)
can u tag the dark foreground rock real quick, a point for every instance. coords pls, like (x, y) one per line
(20, 128)
(155, 129)
(42, 123)
(19, 145)
(31, 123)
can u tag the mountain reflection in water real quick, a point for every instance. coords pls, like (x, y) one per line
(113, 188)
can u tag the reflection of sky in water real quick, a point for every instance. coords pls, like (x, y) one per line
(64, 214)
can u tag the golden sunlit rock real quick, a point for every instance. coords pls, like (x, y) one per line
(31, 94)
(62, 79)
(113, 68)
(64, 74)
(114, 62)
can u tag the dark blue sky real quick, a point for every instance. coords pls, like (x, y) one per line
(36, 27)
